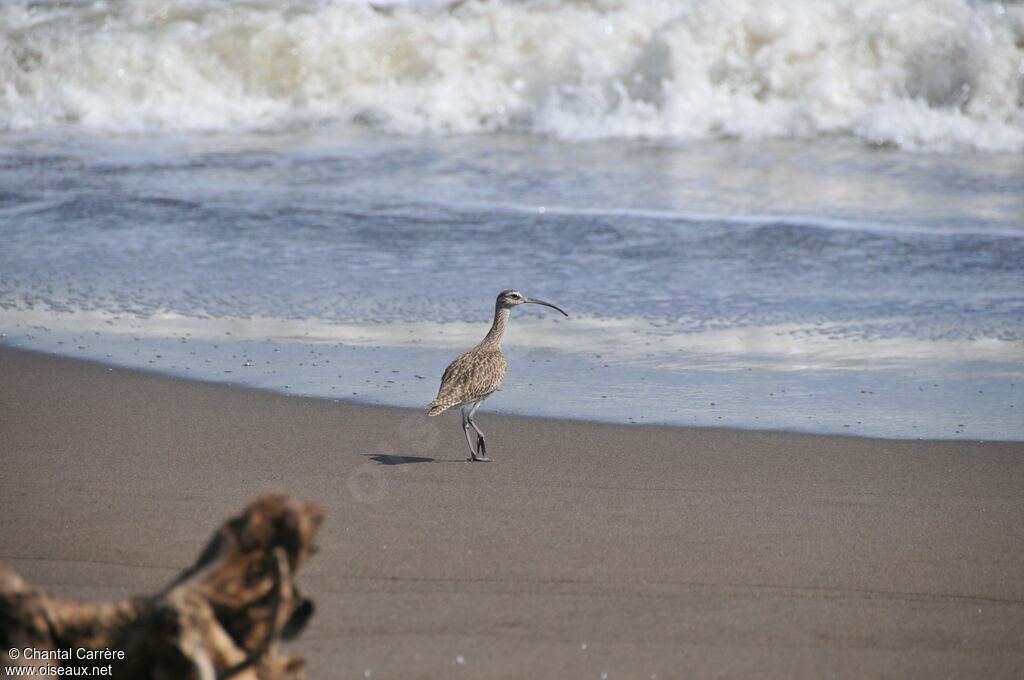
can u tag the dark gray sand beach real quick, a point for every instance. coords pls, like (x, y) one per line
(584, 551)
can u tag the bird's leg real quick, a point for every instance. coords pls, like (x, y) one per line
(481, 443)
(474, 454)
(465, 429)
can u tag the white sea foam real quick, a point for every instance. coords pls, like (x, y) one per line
(932, 74)
(625, 342)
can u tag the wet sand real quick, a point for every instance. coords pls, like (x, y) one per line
(584, 549)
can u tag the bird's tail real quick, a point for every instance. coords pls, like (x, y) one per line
(437, 409)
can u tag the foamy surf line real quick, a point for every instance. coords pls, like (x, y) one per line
(626, 341)
(930, 74)
(755, 221)
(614, 370)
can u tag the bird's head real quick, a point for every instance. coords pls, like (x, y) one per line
(511, 298)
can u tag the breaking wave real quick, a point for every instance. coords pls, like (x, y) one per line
(923, 74)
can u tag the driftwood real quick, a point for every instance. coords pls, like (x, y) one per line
(221, 618)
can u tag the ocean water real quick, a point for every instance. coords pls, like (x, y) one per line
(803, 215)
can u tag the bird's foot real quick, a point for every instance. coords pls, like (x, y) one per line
(480, 453)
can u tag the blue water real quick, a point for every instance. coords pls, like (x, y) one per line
(755, 215)
(345, 265)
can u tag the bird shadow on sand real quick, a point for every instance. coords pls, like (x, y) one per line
(396, 459)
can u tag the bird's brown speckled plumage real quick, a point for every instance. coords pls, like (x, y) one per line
(471, 377)
(475, 375)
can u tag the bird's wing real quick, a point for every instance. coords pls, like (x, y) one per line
(454, 369)
(471, 376)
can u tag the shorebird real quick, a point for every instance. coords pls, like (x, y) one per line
(474, 376)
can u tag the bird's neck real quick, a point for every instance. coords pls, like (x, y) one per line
(501, 316)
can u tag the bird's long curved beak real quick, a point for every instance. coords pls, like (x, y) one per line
(546, 304)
